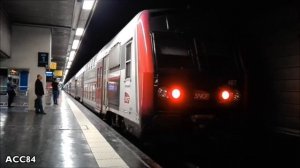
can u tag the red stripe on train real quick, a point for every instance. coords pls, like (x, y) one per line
(145, 64)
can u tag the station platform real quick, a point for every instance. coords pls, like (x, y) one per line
(69, 135)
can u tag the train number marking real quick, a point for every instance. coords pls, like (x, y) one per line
(201, 95)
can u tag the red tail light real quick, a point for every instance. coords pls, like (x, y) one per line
(176, 93)
(225, 96)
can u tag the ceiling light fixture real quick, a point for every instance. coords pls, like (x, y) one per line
(75, 44)
(72, 56)
(79, 31)
(69, 65)
(88, 4)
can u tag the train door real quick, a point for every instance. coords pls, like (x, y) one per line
(128, 86)
(99, 88)
(113, 82)
(104, 102)
(82, 87)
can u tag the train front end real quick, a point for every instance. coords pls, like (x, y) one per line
(197, 77)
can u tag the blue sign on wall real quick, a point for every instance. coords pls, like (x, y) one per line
(23, 80)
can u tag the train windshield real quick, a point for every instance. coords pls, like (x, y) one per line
(173, 51)
(180, 52)
(185, 41)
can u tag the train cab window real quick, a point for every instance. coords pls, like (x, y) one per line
(173, 51)
(128, 60)
(218, 59)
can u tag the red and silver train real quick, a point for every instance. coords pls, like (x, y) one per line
(160, 72)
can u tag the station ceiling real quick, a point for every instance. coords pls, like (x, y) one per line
(62, 16)
(108, 18)
(56, 14)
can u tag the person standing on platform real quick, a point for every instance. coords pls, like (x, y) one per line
(55, 90)
(39, 92)
(10, 91)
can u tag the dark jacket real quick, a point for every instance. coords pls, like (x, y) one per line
(39, 90)
(54, 86)
(10, 86)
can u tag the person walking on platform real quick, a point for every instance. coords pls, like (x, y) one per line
(39, 92)
(55, 90)
(10, 91)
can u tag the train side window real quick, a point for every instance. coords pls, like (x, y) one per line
(87, 92)
(114, 57)
(90, 92)
(128, 59)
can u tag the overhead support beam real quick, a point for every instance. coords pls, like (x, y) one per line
(42, 25)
